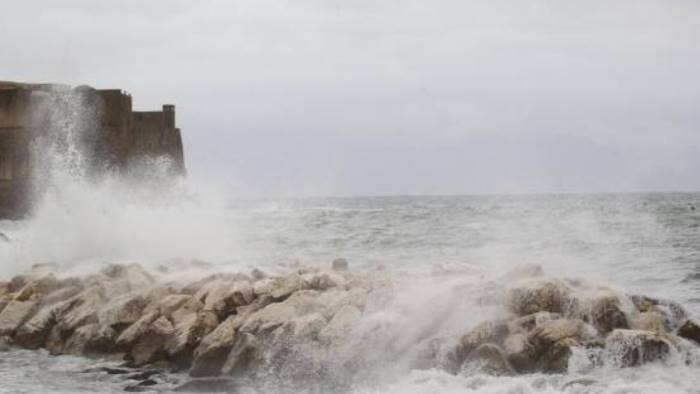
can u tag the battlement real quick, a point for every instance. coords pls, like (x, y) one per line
(124, 140)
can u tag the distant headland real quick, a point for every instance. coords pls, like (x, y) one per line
(111, 136)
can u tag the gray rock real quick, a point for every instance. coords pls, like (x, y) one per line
(212, 352)
(14, 315)
(245, 355)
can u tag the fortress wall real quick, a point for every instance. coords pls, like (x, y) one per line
(124, 138)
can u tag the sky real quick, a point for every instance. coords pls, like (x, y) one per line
(386, 97)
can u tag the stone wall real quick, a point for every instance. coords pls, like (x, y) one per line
(124, 142)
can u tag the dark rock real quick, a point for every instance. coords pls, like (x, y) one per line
(630, 348)
(690, 330)
(491, 359)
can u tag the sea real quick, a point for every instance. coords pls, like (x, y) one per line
(645, 243)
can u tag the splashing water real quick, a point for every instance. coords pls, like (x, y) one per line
(646, 243)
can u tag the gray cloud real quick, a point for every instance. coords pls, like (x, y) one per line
(393, 97)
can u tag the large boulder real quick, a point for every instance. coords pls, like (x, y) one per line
(14, 315)
(37, 288)
(224, 298)
(550, 344)
(604, 310)
(537, 295)
(151, 345)
(91, 339)
(134, 332)
(490, 359)
(650, 321)
(188, 333)
(629, 348)
(340, 325)
(33, 333)
(485, 332)
(122, 312)
(245, 355)
(212, 352)
(690, 330)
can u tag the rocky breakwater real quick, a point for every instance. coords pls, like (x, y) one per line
(549, 320)
(328, 324)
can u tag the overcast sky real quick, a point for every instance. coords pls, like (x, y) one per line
(348, 97)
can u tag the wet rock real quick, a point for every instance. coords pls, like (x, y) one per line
(122, 312)
(650, 321)
(257, 274)
(14, 315)
(133, 333)
(224, 298)
(537, 295)
(83, 310)
(629, 348)
(33, 333)
(245, 355)
(605, 313)
(37, 288)
(322, 281)
(63, 294)
(485, 332)
(490, 359)
(55, 342)
(91, 339)
(552, 342)
(277, 314)
(187, 335)
(341, 324)
(520, 352)
(151, 344)
(690, 330)
(212, 352)
(284, 287)
(527, 323)
(340, 265)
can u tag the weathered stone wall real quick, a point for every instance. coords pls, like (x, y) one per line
(124, 141)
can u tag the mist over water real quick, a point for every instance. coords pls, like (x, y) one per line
(428, 246)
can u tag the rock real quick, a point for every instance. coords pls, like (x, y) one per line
(605, 312)
(537, 295)
(37, 288)
(340, 265)
(690, 330)
(629, 348)
(170, 304)
(14, 315)
(485, 332)
(322, 281)
(307, 327)
(284, 287)
(91, 339)
(151, 344)
(245, 354)
(55, 342)
(527, 323)
(187, 335)
(134, 332)
(122, 312)
(341, 324)
(490, 359)
(212, 352)
(523, 271)
(209, 385)
(34, 333)
(61, 295)
(552, 342)
(277, 314)
(83, 310)
(224, 298)
(519, 352)
(650, 321)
